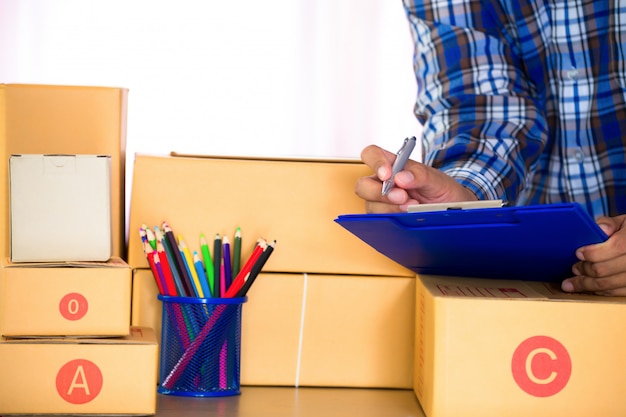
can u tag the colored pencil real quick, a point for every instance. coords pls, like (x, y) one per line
(142, 233)
(160, 277)
(223, 365)
(236, 253)
(256, 269)
(180, 264)
(151, 238)
(243, 273)
(226, 259)
(201, 274)
(191, 269)
(208, 263)
(155, 273)
(222, 280)
(181, 366)
(171, 261)
(170, 285)
(217, 262)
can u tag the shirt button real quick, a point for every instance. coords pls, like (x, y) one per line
(572, 74)
(579, 155)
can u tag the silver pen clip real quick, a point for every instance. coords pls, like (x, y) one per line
(398, 165)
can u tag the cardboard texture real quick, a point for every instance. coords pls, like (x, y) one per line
(60, 299)
(315, 330)
(291, 201)
(512, 348)
(46, 119)
(79, 376)
(60, 208)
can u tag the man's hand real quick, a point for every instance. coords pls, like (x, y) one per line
(416, 184)
(601, 268)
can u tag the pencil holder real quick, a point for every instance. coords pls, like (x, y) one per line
(200, 346)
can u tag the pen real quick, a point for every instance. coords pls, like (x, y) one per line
(401, 157)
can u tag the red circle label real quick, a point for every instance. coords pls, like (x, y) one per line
(541, 366)
(73, 306)
(79, 381)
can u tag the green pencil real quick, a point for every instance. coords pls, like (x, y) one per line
(208, 264)
(237, 253)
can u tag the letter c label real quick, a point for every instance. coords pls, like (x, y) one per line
(541, 366)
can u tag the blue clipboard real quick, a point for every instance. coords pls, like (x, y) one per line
(531, 243)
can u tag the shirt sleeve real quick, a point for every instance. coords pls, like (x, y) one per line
(481, 111)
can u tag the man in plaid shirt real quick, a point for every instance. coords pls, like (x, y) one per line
(523, 101)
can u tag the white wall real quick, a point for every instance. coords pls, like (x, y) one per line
(275, 78)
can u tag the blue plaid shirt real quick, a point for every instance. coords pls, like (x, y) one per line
(525, 100)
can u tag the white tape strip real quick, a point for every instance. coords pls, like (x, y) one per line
(306, 279)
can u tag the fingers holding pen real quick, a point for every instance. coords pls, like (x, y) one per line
(370, 188)
(379, 160)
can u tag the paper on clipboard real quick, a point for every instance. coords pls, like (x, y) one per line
(461, 205)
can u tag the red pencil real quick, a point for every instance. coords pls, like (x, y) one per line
(241, 276)
(167, 270)
(149, 256)
(256, 269)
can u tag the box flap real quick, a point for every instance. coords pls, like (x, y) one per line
(270, 158)
(113, 262)
(552, 291)
(460, 287)
(136, 336)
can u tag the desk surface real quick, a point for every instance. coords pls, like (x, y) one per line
(301, 402)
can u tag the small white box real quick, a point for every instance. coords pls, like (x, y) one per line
(60, 208)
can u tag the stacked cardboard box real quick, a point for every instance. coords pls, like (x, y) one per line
(52, 119)
(499, 347)
(65, 314)
(328, 310)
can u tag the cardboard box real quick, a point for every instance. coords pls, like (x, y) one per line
(292, 201)
(315, 330)
(510, 348)
(80, 299)
(60, 208)
(79, 376)
(47, 119)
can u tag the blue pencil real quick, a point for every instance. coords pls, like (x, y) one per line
(201, 274)
(187, 268)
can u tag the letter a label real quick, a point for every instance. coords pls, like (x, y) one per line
(79, 381)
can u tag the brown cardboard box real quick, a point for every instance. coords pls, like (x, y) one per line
(79, 376)
(292, 201)
(358, 332)
(509, 348)
(315, 330)
(58, 299)
(46, 119)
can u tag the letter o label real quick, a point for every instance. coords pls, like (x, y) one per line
(541, 366)
(79, 381)
(73, 306)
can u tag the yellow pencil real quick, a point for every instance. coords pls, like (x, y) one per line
(190, 266)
